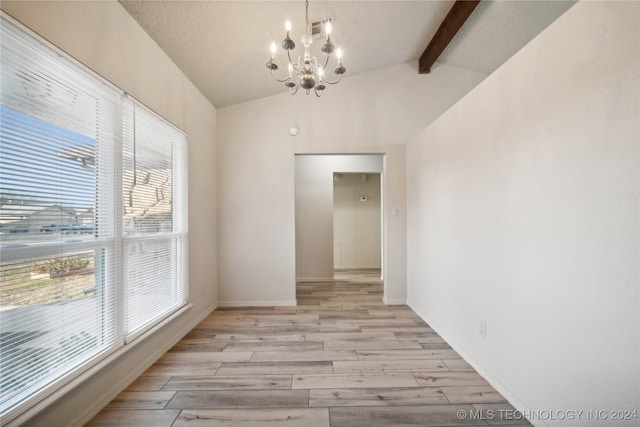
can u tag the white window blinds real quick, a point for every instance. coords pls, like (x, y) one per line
(92, 219)
(154, 228)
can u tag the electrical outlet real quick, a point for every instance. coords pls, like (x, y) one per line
(483, 328)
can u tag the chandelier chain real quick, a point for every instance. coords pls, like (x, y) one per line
(306, 15)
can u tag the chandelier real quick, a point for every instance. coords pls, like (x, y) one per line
(307, 72)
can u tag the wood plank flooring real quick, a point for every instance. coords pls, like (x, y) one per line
(341, 358)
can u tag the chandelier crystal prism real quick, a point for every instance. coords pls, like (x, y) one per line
(307, 72)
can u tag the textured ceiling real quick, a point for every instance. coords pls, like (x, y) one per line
(222, 46)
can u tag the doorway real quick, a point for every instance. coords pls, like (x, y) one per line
(314, 212)
(357, 225)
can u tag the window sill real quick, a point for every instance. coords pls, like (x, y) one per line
(38, 403)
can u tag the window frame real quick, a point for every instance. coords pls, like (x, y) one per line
(114, 243)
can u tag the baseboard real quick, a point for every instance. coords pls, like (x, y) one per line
(85, 416)
(394, 301)
(514, 400)
(314, 279)
(284, 303)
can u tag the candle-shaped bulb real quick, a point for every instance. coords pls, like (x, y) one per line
(339, 53)
(327, 28)
(287, 25)
(290, 70)
(273, 50)
(320, 74)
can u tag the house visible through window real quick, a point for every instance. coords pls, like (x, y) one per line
(92, 219)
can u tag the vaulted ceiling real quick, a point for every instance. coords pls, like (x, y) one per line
(222, 46)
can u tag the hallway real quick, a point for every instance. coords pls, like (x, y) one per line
(341, 358)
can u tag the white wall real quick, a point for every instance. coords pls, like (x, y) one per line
(375, 112)
(106, 39)
(523, 212)
(314, 208)
(356, 224)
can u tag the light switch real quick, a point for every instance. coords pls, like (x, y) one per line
(395, 211)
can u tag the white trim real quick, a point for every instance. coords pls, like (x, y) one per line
(100, 365)
(314, 279)
(387, 301)
(142, 332)
(514, 400)
(85, 416)
(53, 248)
(283, 303)
(153, 237)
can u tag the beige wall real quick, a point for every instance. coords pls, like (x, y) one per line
(376, 112)
(357, 224)
(523, 213)
(105, 38)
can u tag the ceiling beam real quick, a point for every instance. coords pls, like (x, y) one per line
(447, 31)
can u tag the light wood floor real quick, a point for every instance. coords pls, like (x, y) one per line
(341, 358)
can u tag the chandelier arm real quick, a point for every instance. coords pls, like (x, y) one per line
(333, 83)
(326, 61)
(318, 93)
(295, 67)
(277, 79)
(293, 90)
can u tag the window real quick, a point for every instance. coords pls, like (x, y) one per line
(154, 226)
(92, 219)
